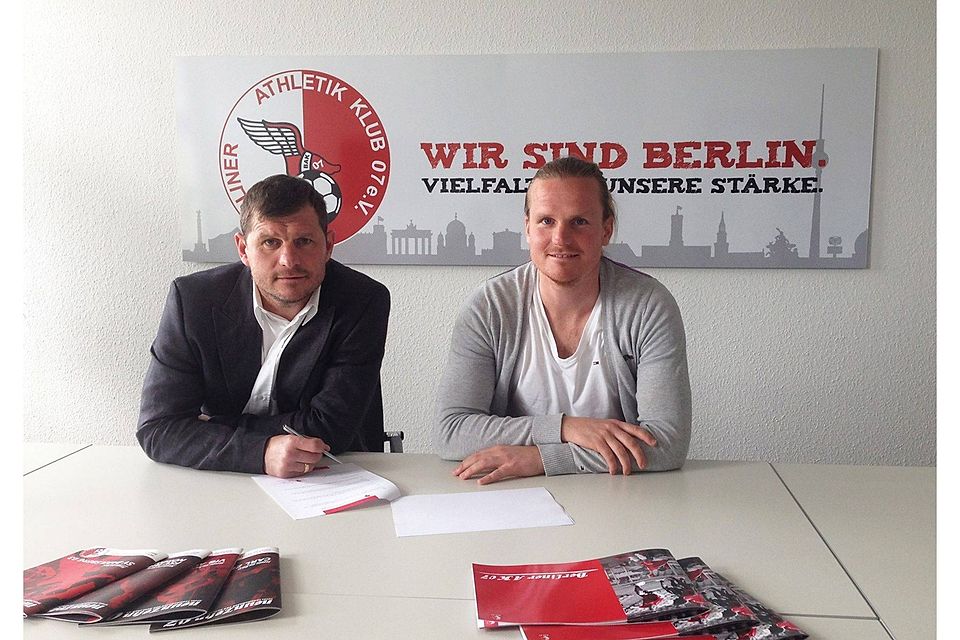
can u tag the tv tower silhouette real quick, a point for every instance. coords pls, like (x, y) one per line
(199, 246)
(820, 159)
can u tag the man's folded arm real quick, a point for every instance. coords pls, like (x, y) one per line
(169, 428)
(466, 422)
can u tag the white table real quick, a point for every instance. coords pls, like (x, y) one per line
(739, 517)
(881, 524)
(40, 454)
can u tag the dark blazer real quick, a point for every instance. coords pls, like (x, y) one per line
(206, 357)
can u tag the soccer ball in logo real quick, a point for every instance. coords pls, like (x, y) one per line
(327, 187)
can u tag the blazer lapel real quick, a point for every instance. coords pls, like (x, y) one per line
(239, 340)
(305, 349)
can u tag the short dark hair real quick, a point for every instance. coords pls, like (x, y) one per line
(280, 196)
(574, 167)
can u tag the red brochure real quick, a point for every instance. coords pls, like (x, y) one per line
(771, 625)
(252, 592)
(190, 595)
(607, 632)
(105, 602)
(640, 585)
(732, 615)
(63, 580)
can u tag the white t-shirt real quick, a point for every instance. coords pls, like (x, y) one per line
(277, 332)
(547, 384)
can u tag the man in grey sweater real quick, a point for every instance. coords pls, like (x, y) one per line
(570, 363)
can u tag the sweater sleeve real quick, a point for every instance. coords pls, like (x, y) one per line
(468, 419)
(663, 383)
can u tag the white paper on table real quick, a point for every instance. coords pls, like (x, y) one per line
(327, 490)
(422, 515)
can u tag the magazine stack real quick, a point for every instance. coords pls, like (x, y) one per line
(644, 594)
(108, 587)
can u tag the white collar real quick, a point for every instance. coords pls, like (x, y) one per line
(303, 316)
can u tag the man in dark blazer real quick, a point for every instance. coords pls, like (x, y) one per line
(286, 336)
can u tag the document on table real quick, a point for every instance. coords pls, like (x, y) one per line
(477, 511)
(326, 490)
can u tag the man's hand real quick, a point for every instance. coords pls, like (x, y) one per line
(501, 462)
(616, 441)
(291, 456)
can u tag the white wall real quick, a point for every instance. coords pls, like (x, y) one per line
(103, 234)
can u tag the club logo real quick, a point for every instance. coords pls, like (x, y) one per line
(311, 125)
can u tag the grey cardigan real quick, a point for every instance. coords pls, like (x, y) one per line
(646, 348)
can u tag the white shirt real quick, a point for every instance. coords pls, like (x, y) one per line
(547, 384)
(277, 332)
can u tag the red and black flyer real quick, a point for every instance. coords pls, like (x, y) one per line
(63, 580)
(107, 601)
(733, 615)
(771, 625)
(631, 587)
(728, 611)
(252, 592)
(607, 632)
(192, 594)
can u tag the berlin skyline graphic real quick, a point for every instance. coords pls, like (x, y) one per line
(457, 245)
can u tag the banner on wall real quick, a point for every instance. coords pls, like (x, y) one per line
(758, 159)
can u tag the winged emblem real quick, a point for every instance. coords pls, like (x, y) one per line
(284, 139)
